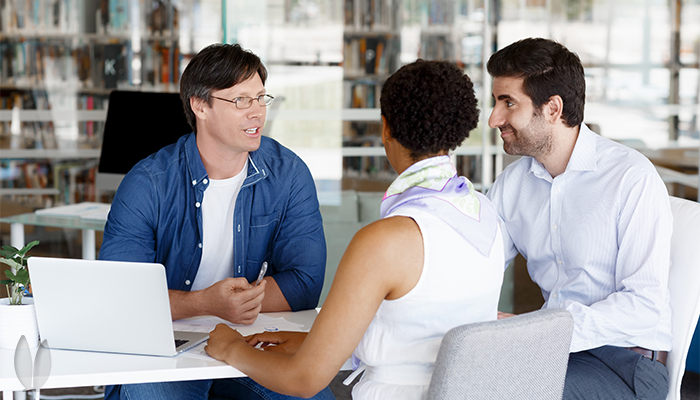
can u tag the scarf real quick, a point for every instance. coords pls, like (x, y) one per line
(432, 186)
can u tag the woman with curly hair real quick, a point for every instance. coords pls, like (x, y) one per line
(433, 262)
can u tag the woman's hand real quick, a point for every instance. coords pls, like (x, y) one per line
(222, 341)
(280, 342)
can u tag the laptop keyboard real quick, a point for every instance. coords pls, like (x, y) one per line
(180, 342)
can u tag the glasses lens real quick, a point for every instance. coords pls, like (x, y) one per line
(244, 102)
(265, 99)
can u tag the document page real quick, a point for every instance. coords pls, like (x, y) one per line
(207, 324)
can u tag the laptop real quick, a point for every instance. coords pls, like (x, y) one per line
(106, 306)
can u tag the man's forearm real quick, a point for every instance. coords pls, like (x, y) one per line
(186, 304)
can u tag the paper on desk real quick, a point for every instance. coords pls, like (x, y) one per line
(262, 323)
(83, 210)
(207, 324)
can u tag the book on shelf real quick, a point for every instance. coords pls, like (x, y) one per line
(114, 65)
(97, 65)
(371, 14)
(362, 94)
(19, 16)
(370, 55)
(436, 47)
(118, 16)
(18, 173)
(75, 181)
(441, 12)
(43, 134)
(84, 16)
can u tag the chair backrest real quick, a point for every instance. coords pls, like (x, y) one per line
(522, 357)
(684, 285)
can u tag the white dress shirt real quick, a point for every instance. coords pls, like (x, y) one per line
(597, 241)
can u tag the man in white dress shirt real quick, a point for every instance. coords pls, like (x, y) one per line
(592, 218)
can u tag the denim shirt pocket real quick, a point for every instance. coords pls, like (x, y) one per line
(262, 233)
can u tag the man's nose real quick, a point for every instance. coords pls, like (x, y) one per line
(495, 120)
(256, 110)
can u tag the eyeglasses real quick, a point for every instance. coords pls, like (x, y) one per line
(242, 103)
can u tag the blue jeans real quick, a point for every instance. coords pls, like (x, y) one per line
(611, 372)
(217, 389)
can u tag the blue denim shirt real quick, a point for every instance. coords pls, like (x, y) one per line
(156, 216)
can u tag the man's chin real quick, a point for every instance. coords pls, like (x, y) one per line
(512, 150)
(254, 144)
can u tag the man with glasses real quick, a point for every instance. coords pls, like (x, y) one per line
(593, 219)
(215, 206)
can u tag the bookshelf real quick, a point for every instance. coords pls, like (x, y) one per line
(379, 37)
(371, 52)
(60, 60)
(453, 30)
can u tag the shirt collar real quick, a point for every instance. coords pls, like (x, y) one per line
(194, 162)
(583, 157)
(257, 167)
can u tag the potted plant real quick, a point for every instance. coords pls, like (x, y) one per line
(17, 314)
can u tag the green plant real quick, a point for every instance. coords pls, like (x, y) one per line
(18, 275)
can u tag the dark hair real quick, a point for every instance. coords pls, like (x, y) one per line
(216, 67)
(548, 69)
(429, 106)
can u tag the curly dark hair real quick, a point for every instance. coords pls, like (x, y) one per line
(548, 69)
(429, 107)
(216, 67)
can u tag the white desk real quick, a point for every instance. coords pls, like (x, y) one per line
(77, 368)
(88, 228)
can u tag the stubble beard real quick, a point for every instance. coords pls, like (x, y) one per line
(534, 140)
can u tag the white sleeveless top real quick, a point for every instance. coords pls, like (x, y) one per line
(458, 285)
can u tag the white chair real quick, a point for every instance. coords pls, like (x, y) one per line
(684, 285)
(522, 357)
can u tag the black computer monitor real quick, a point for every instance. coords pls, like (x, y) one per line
(138, 124)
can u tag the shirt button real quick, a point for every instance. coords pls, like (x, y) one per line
(194, 182)
(554, 295)
(205, 181)
(239, 269)
(559, 262)
(239, 227)
(200, 245)
(554, 227)
(197, 204)
(187, 282)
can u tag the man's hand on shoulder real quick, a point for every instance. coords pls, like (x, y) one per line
(235, 300)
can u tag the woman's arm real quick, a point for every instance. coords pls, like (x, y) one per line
(383, 261)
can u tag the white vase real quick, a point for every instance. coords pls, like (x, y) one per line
(16, 321)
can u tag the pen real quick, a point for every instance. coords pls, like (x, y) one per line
(261, 275)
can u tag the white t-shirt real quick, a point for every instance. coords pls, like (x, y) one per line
(217, 218)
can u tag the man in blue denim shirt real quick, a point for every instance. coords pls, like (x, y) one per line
(213, 207)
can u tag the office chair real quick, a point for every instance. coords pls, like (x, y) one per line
(684, 285)
(522, 357)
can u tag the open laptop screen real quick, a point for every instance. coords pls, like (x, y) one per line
(138, 124)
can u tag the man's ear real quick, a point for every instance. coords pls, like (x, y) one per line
(198, 105)
(553, 109)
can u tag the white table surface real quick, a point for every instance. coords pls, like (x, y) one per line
(82, 368)
(87, 227)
